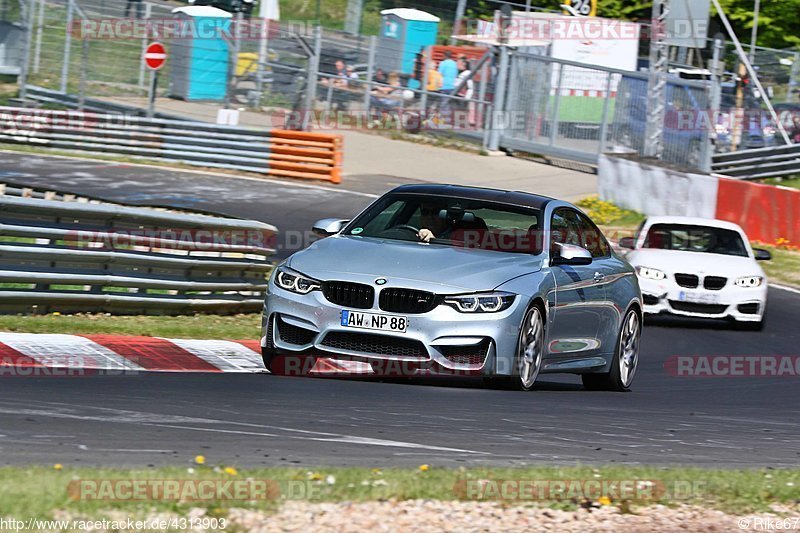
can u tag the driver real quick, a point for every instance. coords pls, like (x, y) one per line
(431, 224)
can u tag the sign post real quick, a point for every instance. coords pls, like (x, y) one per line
(155, 56)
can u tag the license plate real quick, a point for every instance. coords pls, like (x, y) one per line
(698, 297)
(357, 319)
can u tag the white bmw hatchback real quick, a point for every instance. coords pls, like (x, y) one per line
(699, 267)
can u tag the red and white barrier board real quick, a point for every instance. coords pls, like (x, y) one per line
(22, 352)
(767, 213)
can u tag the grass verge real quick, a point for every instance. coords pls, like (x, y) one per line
(233, 327)
(41, 491)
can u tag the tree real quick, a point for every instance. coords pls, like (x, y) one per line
(778, 21)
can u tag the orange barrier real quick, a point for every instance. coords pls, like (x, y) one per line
(765, 212)
(302, 154)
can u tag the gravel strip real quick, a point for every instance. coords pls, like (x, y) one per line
(435, 516)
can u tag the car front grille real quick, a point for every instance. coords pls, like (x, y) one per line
(691, 307)
(690, 281)
(466, 355)
(348, 294)
(714, 283)
(292, 334)
(371, 343)
(407, 301)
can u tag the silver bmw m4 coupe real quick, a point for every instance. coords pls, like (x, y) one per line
(451, 280)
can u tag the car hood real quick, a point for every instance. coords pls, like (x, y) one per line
(426, 266)
(675, 261)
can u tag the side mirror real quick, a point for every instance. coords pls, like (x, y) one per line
(627, 242)
(328, 226)
(762, 254)
(569, 254)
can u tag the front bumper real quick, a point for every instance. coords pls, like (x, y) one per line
(440, 341)
(744, 304)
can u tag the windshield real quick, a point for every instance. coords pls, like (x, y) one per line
(451, 221)
(695, 239)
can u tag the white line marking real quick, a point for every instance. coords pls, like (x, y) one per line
(349, 439)
(202, 172)
(785, 288)
(120, 416)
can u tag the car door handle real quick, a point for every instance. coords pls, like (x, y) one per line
(598, 276)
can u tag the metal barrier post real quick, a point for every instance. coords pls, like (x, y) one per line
(311, 84)
(499, 99)
(481, 115)
(263, 59)
(148, 11)
(370, 74)
(67, 46)
(38, 50)
(84, 73)
(424, 99)
(601, 144)
(554, 123)
(27, 21)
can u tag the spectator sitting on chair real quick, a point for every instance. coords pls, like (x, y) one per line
(388, 97)
(341, 73)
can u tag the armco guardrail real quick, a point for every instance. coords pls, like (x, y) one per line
(71, 101)
(69, 257)
(274, 152)
(772, 162)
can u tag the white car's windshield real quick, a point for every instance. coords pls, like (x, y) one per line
(689, 238)
(452, 221)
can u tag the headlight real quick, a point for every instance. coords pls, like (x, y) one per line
(650, 273)
(295, 282)
(749, 281)
(490, 302)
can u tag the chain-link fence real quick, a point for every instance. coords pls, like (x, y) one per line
(565, 108)
(302, 76)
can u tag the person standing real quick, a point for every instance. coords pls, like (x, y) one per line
(467, 90)
(449, 71)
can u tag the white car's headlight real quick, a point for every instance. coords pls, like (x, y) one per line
(749, 281)
(295, 282)
(490, 302)
(650, 273)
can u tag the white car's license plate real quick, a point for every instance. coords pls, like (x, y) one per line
(357, 319)
(698, 297)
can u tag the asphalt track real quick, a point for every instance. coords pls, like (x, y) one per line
(253, 420)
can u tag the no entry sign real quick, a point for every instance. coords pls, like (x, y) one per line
(155, 55)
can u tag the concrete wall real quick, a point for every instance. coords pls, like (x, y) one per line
(655, 190)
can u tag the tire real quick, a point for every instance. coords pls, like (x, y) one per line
(626, 358)
(530, 350)
(288, 365)
(279, 364)
(752, 326)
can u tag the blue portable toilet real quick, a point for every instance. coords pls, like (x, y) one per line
(199, 55)
(404, 33)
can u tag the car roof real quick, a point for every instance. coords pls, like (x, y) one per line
(519, 198)
(693, 221)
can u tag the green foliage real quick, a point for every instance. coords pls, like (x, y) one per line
(778, 24)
